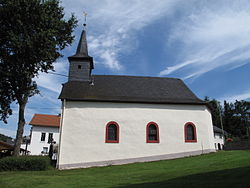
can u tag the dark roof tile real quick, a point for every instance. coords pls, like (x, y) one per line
(130, 89)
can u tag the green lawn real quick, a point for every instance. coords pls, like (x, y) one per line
(222, 169)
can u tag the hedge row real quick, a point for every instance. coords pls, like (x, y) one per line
(24, 163)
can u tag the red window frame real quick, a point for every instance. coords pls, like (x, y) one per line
(157, 133)
(185, 132)
(117, 132)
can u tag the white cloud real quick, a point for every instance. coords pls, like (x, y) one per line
(232, 98)
(12, 133)
(8, 132)
(53, 82)
(169, 70)
(217, 37)
(113, 24)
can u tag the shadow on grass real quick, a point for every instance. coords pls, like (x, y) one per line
(237, 177)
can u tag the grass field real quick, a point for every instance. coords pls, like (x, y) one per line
(222, 169)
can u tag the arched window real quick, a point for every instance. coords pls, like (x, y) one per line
(152, 133)
(112, 132)
(190, 132)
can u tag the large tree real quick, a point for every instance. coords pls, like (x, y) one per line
(216, 111)
(32, 35)
(236, 118)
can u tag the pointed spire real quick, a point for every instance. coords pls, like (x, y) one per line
(81, 64)
(82, 48)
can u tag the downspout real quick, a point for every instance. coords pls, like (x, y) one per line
(60, 132)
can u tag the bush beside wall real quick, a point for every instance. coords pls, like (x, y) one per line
(24, 163)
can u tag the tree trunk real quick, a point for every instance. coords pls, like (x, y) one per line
(21, 124)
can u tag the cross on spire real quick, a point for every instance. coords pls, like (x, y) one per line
(82, 48)
(81, 64)
(85, 18)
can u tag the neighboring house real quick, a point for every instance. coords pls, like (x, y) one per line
(219, 139)
(108, 120)
(45, 128)
(7, 148)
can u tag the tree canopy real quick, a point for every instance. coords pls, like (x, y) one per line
(4, 137)
(235, 116)
(33, 33)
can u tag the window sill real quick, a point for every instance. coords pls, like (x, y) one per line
(111, 141)
(191, 141)
(153, 141)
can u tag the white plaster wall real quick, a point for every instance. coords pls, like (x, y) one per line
(218, 139)
(36, 145)
(84, 123)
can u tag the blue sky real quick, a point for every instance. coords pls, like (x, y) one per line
(205, 43)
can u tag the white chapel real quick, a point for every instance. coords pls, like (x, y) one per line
(110, 120)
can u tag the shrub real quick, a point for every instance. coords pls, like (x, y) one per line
(24, 163)
(229, 140)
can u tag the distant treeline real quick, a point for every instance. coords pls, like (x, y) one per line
(235, 117)
(4, 138)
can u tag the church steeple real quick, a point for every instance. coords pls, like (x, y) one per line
(82, 48)
(81, 64)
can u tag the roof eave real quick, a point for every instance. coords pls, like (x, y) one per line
(131, 101)
(44, 125)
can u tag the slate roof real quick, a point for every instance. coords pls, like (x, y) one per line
(130, 89)
(219, 130)
(45, 120)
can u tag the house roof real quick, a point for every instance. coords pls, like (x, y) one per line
(130, 89)
(219, 130)
(7, 146)
(4, 145)
(45, 120)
